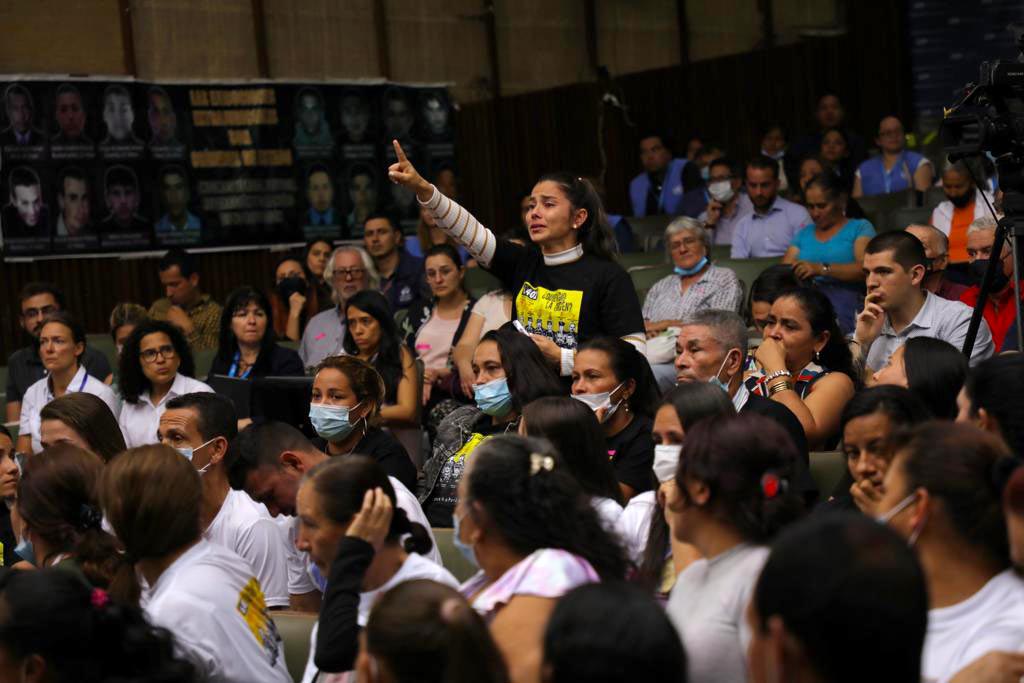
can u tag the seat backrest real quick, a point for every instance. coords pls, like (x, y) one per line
(641, 258)
(204, 361)
(479, 282)
(452, 559)
(295, 629)
(644, 278)
(104, 343)
(648, 231)
(827, 469)
(747, 269)
(901, 218)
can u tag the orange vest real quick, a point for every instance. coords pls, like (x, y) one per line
(962, 219)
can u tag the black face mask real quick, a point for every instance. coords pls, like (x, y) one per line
(963, 200)
(289, 286)
(977, 272)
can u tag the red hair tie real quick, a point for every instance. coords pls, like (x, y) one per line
(99, 598)
(772, 485)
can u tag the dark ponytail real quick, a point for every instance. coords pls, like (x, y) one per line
(418, 540)
(595, 235)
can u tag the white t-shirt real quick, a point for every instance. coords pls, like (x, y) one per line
(991, 619)
(609, 513)
(140, 421)
(245, 526)
(39, 394)
(408, 502)
(414, 567)
(708, 605)
(299, 580)
(491, 307)
(635, 523)
(210, 600)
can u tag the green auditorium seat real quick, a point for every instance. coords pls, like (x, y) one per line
(479, 282)
(295, 629)
(901, 218)
(827, 469)
(644, 278)
(204, 361)
(641, 259)
(104, 343)
(648, 231)
(452, 559)
(747, 269)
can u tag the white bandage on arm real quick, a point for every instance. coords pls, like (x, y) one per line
(638, 340)
(461, 226)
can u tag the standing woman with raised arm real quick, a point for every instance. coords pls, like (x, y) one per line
(566, 287)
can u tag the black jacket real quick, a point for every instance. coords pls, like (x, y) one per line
(277, 361)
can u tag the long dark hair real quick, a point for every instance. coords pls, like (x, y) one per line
(342, 483)
(82, 634)
(91, 419)
(595, 235)
(692, 402)
(528, 374)
(389, 351)
(821, 315)
(573, 429)
(239, 299)
(425, 632)
(534, 507)
(132, 380)
(629, 364)
(936, 371)
(58, 498)
(993, 385)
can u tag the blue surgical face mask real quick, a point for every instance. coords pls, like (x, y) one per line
(188, 452)
(460, 545)
(331, 422)
(724, 386)
(686, 272)
(494, 397)
(25, 551)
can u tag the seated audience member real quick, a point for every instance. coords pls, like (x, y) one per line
(247, 347)
(123, 320)
(200, 427)
(712, 347)
(645, 523)
(835, 152)
(401, 275)
(349, 526)
(156, 366)
(58, 503)
(434, 326)
(769, 229)
(634, 642)
(897, 168)
(940, 495)
(429, 235)
(345, 411)
(988, 399)
(81, 420)
(773, 146)
(867, 424)
(659, 189)
(828, 114)
(314, 261)
(422, 631)
(205, 594)
(695, 283)
(831, 250)
(372, 335)
(822, 576)
(37, 300)
(614, 380)
(931, 369)
(726, 204)
(936, 251)
(490, 312)
(897, 308)
(61, 346)
(267, 461)
(294, 300)
(964, 204)
(349, 270)
(735, 487)
(185, 305)
(58, 628)
(10, 471)
(524, 520)
(571, 427)
(809, 168)
(1000, 311)
(804, 363)
(509, 373)
(765, 289)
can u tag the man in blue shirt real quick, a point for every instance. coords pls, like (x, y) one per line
(659, 189)
(401, 275)
(896, 168)
(769, 229)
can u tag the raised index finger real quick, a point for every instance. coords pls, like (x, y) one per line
(399, 152)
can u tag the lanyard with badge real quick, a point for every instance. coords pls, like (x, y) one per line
(234, 367)
(81, 387)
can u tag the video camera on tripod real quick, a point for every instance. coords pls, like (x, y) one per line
(989, 118)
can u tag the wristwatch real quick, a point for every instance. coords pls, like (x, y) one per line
(826, 268)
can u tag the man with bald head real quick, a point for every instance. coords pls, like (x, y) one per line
(964, 203)
(896, 169)
(936, 250)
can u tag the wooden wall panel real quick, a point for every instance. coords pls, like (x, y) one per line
(317, 39)
(541, 44)
(61, 36)
(637, 36)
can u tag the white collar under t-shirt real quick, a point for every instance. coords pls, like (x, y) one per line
(39, 394)
(140, 421)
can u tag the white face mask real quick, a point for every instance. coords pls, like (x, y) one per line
(601, 400)
(188, 452)
(666, 460)
(721, 190)
(887, 517)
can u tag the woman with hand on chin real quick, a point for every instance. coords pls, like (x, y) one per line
(566, 286)
(804, 364)
(345, 411)
(61, 345)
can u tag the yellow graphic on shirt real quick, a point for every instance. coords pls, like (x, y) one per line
(471, 445)
(253, 608)
(552, 313)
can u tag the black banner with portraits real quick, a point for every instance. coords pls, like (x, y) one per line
(109, 166)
